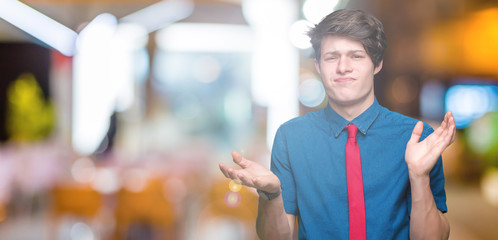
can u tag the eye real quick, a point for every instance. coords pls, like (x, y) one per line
(330, 58)
(356, 56)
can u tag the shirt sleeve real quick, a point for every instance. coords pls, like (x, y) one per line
(281, 167)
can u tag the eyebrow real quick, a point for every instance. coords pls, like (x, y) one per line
(348, 52)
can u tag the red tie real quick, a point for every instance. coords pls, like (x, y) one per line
(357, 225)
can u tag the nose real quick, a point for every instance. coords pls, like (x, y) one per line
(344, 65)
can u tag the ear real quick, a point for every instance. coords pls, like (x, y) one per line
(379, 67)
(317, 67)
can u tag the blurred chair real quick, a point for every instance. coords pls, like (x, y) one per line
(224, 218)
(74, 204)
(76, 200)
(144, 214)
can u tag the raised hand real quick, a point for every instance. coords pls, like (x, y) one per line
(422, 156)
(251, 174)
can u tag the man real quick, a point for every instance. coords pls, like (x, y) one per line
(402, 194)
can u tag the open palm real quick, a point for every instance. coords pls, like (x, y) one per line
(422, 156)
(251, 174)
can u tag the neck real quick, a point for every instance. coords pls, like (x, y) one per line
(350, 111)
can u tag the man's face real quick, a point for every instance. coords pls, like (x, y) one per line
(347, 72)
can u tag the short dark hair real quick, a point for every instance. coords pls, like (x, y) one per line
(354, 24)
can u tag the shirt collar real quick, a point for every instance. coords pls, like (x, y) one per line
(363, 121)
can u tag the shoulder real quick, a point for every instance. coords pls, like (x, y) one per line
(311, 119)
(395, 119)
(310, 125)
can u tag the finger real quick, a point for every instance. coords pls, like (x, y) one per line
(444, 141)
(233, 174)
(443, 127)
(450, 134)
(445, 123)
(450, 115)
(224, 170)
(245, 180)
(453, 126)
(450, 119)
(437, 150)
(239, 160)
(449, 128)
(236, 156)
(417, 132)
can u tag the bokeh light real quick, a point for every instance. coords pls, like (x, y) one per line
(187, 107)
(311, 92)
(468, 102)
(206, 69)
(135, 180)
(95, 87)
(234, 186)
(205, 37)
(315, 10)
(489, 186)
(298, 34)
(432, 100)
(237, 107)
(81, 231)
(482, 138)
(83, 170)
(175, 190)
(106, 180)
(232, 199)
(403, 89)
(39, 26)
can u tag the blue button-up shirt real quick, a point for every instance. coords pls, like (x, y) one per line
(308, 157)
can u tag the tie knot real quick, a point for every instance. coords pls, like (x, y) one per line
(352, 130)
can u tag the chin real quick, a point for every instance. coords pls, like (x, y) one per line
(348, 101)
(345, 100)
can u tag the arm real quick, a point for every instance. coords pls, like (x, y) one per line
(426, 221)
(272, 222)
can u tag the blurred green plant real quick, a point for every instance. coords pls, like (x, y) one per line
(482, 137)
(29, 116)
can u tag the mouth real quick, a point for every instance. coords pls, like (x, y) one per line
(344, 79)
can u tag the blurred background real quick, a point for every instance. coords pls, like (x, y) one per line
(114, 114)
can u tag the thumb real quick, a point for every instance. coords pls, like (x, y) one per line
(239, 160)
(417, 132)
